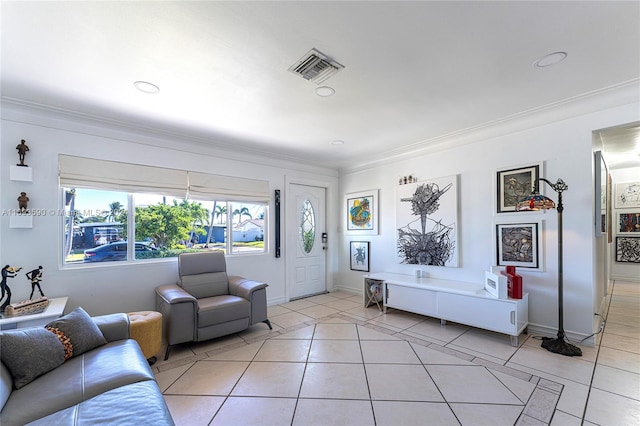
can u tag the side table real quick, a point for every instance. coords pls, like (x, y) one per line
(53, 311)
(145, 327)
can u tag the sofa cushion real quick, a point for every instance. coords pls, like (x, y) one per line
(6, 385)
(135, 404)
(80, 329)
(105, 368)
(221, 309)
(29, 353)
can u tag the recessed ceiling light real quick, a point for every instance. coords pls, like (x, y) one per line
(146, 87)
(550, 59)
(325, 91)
(337, 142)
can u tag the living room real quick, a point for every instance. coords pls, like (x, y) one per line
(561, 135)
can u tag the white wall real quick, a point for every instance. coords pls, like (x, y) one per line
(565, 148)
(623, 271)
(122, 287)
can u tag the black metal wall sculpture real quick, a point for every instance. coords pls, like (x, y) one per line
(277, 215)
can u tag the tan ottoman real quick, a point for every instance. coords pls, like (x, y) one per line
(145, 327)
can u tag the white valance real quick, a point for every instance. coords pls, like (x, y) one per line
(102, 174)
(229, 188)
(136, 178)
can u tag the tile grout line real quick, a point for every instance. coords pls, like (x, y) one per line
(538, 398)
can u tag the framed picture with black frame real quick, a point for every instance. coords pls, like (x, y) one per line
(359, 256)
(518, 244)
(514, 184)
(628, 249)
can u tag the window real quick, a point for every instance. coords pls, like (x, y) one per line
(163, 226)
(307, 229)
(99, 219)
(110, 203)
(248, 227)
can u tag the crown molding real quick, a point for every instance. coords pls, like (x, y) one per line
(613, 96)
(27, 112)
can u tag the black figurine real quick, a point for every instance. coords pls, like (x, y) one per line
(22, 151)
(35, 276)
(7, 272)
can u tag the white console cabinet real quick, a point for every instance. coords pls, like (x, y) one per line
(461, 302)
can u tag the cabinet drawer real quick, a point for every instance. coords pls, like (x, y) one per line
(491, 314)
(411, 299)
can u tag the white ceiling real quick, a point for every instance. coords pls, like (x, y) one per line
(414, 71)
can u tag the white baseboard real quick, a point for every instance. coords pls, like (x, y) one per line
(277, 301)
(543, 330)
(624, 278)
(350, 290)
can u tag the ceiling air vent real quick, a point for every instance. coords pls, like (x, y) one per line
(315, 66)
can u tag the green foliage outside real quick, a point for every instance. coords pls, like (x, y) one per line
(167, 226)
(307, 240)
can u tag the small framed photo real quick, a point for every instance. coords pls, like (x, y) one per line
(362, 212)
(517, 244)
(514, 184)
(628, 249)
(359, 255)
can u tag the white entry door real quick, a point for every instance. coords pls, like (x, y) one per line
(306, 258)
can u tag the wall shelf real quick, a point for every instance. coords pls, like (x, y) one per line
(22, 174)
(21, 221)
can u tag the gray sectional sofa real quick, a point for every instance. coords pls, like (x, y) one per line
(110, 384)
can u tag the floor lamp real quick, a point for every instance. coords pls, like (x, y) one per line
(534, 202)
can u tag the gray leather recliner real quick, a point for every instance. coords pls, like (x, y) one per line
(207, 303)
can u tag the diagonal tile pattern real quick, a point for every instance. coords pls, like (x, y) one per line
(331, 361)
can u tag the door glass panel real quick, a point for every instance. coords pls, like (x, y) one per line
(307, 226)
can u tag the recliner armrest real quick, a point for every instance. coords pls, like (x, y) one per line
(179, 311)
(173, 293)
(242, 287)
(113, 326)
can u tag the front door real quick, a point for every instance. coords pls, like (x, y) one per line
(306, 273)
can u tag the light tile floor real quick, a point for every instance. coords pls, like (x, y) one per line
(330, 361)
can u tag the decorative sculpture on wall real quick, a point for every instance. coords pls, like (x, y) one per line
(22, 151)
(7, 272)
(23, 200)
(427, 232)
(35, 276)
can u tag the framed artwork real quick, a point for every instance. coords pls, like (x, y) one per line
(518, 244)
(514, 184)
(362, 212)
(627, 195)
(629, 222)
(628, 249)
(601, 199)
(359, 256)
(427, 222)
(609, 209)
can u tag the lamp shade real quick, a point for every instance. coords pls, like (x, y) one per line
(535, 202)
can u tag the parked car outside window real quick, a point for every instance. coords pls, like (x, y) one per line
(114, 252)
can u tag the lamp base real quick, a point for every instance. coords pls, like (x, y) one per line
(560, 346)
